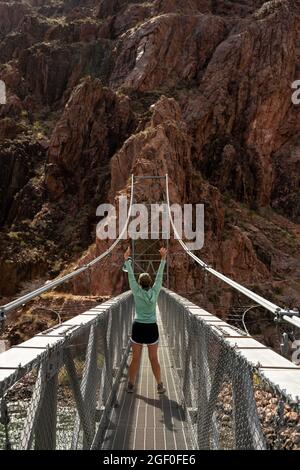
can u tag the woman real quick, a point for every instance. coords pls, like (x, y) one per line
(144, 328)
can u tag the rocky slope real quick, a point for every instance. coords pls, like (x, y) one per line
(198, 89)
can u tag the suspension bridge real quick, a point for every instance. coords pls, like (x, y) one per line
(65, 388)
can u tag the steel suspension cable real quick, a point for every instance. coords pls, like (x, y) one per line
(57, 282)
(291, 316)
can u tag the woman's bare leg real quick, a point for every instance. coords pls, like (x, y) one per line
(152, 352)
(135, 363)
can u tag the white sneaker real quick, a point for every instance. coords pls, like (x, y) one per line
(161, 388)
(130, 388)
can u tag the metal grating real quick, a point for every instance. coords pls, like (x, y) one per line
(144, 420)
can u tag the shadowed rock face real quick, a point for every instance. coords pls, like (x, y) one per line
(198, 89)
(11, 14)
(18, 162)
(166, 50)
(92, 127)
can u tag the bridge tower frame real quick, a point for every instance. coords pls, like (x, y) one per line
(145, 256)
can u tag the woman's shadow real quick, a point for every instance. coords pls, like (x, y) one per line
(172, 411)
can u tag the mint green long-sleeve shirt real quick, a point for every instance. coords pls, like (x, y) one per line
(145, 300)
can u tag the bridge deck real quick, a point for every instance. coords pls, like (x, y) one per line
(145, 420)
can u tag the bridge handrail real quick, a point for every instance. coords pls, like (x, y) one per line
(14, 365)
(265, 360)
(77, 367)
(225, 379)
(73, 368)
(57, 282)
(290, 316)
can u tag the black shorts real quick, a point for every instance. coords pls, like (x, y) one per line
(144, 333)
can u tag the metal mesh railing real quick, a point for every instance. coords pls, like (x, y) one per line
(230, 402)
(60, 398)
(61, 395)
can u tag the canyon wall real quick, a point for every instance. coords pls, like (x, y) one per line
(198, 89)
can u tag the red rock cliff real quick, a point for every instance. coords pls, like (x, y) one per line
(197, 89)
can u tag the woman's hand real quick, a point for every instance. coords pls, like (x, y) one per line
(127, 253)
(163, 253)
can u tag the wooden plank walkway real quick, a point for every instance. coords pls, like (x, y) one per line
(145, 420)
